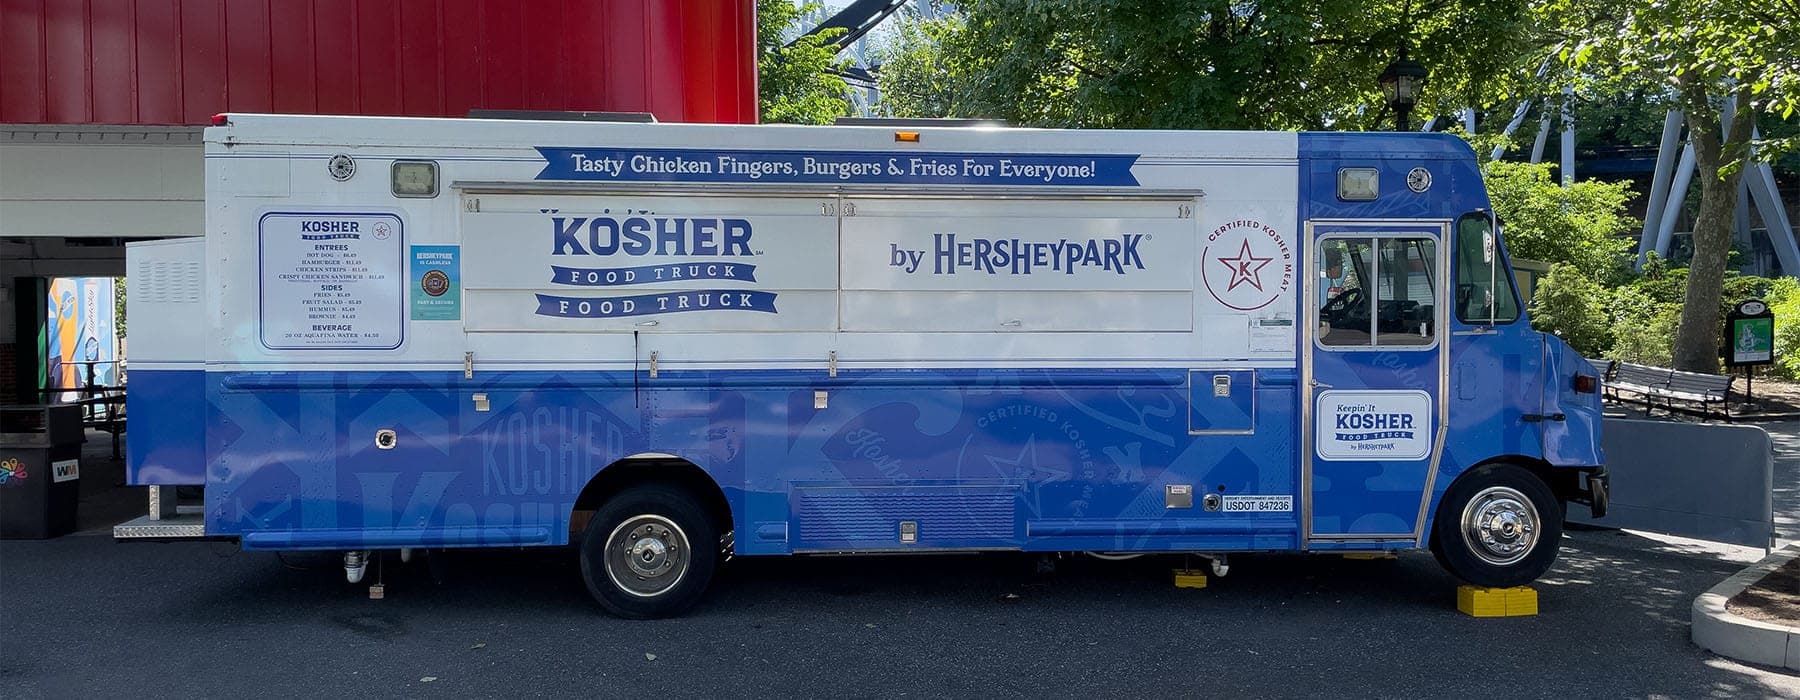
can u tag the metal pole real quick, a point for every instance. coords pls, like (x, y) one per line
(1512, 126)
(1518, 117)
(1568, 137)
(1537, 146)
(1760, 179)
(1666, 155)
(1684, 176)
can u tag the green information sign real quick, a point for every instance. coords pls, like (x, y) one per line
(1750, 335)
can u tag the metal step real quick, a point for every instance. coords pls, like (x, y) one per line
(188, 522)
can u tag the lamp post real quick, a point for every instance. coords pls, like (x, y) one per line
(1400, 84)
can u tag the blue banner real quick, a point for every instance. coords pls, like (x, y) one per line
(836, 167)
(658, 303)
(650, 274)
(329, 236)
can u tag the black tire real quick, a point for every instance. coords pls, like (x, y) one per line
(664, 550)
(1518, 514)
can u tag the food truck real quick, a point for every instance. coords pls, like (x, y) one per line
(663, 345)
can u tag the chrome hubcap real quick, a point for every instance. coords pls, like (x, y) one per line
(646, 555)
(1500, 525)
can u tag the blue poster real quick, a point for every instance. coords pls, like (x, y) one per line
(436, 283)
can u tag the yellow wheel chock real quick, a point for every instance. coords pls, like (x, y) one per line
(1188, 578)
(1477, 601)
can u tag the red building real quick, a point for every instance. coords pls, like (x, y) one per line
(101, 101)
(171, 62)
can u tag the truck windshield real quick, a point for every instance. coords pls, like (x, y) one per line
(1484, 287)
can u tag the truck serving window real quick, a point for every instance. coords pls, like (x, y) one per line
(1482, 279)
(1377, 291)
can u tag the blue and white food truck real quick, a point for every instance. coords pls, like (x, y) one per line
(664, 345)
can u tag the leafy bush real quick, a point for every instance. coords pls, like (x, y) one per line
(1643, 327)
(1781, 290)
(1786, 307)
(1640, 305)
(1572, 306)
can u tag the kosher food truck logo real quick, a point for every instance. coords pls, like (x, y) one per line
(1375, 425)
(640, 235)
(1246, 265)
(1015, 256)
(1365, 427)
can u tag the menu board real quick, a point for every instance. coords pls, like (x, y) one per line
(331, 281)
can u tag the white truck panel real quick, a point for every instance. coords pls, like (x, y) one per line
(165, 291)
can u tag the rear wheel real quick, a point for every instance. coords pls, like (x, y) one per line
(1498, 526)
(649, 552)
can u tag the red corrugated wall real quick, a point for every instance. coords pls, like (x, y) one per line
(181, 61)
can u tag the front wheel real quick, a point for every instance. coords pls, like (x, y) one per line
(1498, 526)
(649, 552)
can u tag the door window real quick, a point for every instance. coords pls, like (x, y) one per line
(1377, 291)
(1482, 294)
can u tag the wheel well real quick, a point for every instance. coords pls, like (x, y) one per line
(633, 471)
(1563, 481)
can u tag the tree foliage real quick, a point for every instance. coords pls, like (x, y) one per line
(1579, 225)
(1208, 64)
(795, 84)
(1694, 53)
(1572, 306)
(925, 71)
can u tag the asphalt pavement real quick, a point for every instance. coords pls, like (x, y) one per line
(83, 616)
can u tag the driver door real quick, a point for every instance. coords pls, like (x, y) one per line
(1374, 378)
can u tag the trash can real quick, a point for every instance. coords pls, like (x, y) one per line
(40, 470)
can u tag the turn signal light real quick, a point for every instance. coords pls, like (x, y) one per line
(1586, 383)
(906, 136)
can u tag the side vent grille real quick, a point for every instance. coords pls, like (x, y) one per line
(167, 281)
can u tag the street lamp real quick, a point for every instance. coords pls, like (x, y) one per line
(1400, 84)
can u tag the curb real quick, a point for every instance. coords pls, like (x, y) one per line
(1717, 630)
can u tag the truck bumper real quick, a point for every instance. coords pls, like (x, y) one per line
(1594, 492)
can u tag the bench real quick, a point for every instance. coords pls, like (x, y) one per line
(1604, 368)
(1670, 386)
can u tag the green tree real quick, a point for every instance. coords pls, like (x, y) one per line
(1579, 225)
(796, 83)
(925, 71)
(1572, 306)
(1208, 64)
(1694, 53)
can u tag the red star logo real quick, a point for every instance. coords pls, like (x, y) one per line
(1245, 268)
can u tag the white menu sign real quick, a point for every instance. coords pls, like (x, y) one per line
(331, 281)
